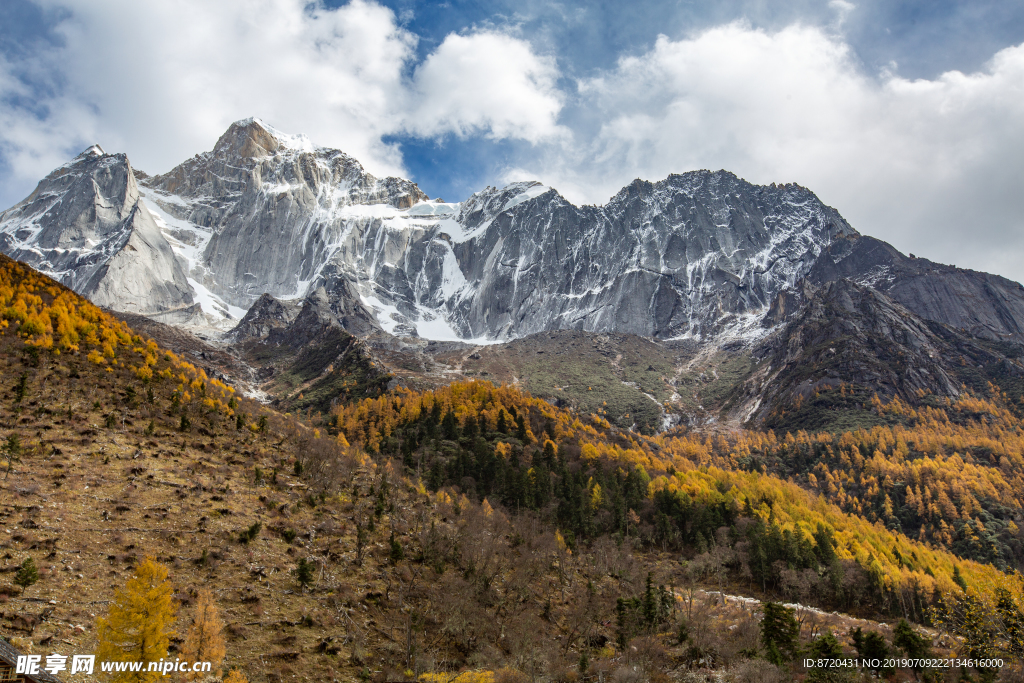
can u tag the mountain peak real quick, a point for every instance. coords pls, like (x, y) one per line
(94, 151)
(88, 155)
(247, 139)
(252, 138)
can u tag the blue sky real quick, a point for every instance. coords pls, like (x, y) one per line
(924, 40)
(905, 116)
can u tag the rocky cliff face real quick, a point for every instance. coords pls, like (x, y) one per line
(692, 255)
(264, 211)
(852, 333)
(86, 226)
(985, 305)
(688, 256)
(266, 315)
(702, 255)
(848, 342)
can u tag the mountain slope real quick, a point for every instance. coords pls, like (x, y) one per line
(847, 342)
(231, 496)
(700, 255)
(265, 212)
(689, 255)
(660, 259)
(86, 225)
(982, 304)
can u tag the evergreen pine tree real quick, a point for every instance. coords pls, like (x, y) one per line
(450, 426)
(779, 630)
(304, 573)
(826, 646)
(469, 430)
(27, 574)
(650, 604)
(396, 554)
(870, 645)
(958, 579)
(12, 451)
(20, 388)
(520, 428)
(914, 646)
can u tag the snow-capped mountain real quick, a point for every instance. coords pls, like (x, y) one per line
(86, 226)
(266, 212)
(693, 255)
(702, 254)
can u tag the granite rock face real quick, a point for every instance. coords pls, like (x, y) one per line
(701, 255)
(985, 305)
(86, 226)
(687, 256)
(693, 255)
(848, 342)
(853, 333)
(266, 315)
(263, 212)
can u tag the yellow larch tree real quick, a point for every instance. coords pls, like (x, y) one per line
(139, 623)
(205, 640)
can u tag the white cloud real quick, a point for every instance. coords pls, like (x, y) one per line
(165, 79)
(30, 146)
(162, 80)
(934, 166)
(842, 9)
(487, 83)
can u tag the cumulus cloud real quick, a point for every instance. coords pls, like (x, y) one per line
(162, 81)
(934, 166)
(486, 83)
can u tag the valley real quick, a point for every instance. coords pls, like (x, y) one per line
(505, 439)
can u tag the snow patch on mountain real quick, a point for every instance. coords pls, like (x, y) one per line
(296, 143)
(214, 307)
(698, 255)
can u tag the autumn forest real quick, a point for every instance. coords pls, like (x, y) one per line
(915, 520)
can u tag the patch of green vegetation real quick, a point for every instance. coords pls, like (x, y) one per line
(713, 386)
(263, 354)
(352, 375)
(648, 373)
(348, 384)
(590, 385)
(833, 410)
(733, 369)
(313, 359)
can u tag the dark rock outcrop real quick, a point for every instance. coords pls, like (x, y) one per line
(314, 318)
(266, 315)
(856, 342)
(985, 305)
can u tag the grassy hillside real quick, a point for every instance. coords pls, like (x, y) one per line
(469, 528)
